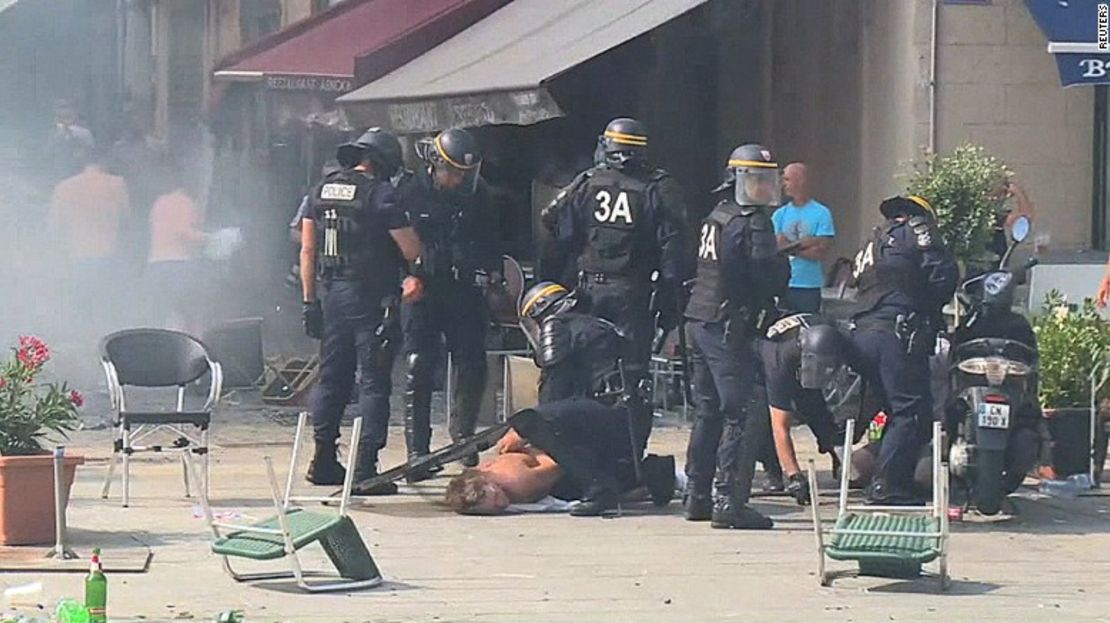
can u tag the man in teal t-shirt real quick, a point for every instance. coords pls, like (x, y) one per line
(809, 223)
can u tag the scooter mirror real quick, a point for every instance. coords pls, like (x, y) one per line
(1019, 231)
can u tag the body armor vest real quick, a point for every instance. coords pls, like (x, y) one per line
(616, 215)
(766, 273)
(877, 272)
(349, 243)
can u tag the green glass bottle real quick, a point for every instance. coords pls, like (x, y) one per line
(96, 590)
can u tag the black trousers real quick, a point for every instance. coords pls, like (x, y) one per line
(882, 361)
(625, 303)
(731, 430)
(455, 314)
(590, 441)
(352, 314)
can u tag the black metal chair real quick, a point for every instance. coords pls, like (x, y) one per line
(157, 358)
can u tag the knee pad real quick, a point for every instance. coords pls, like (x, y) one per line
(419, 366)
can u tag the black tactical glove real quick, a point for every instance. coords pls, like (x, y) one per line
(798, 488)
(313, 316)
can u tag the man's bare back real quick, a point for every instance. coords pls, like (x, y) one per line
(525, 475)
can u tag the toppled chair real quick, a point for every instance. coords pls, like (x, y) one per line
(293, 528)
(889, 541)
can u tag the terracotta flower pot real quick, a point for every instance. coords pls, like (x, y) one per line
(27, 497)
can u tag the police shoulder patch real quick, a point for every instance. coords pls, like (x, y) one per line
(338, 192)
(923, 231)
(785, 324)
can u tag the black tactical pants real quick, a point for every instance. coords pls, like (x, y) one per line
(730, 430)
(882, 361)
(455, 314)
(625, 302)
(352, 314)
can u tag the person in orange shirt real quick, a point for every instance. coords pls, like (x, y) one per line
(86, 216)
(171, 272)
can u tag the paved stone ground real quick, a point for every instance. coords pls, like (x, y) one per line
(1049, 563)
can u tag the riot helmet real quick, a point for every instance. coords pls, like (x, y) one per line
(376, 145)
(909, 205)
(538, 302)
(624, 141)
(822, 347)
(753, 175)
(453, 160)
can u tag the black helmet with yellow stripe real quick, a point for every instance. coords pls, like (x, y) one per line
(753, 174)
(540, 301)
(908, 205)
(454, 152)
(624, 139)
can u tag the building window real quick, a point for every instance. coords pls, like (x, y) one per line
(258, 18)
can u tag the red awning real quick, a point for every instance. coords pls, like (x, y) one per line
(351, 43)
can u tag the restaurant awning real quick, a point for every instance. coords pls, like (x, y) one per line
(495, 72)
(1078, 33)
(351, 43)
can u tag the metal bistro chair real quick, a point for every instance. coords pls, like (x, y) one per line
(890, 541)
(157, 358)
(292, 528)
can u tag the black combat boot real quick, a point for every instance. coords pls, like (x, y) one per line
(729, 513)
(325, 468)
(598, 501)
(658, 478)
(697, 503)
(882, 493)
(366, 469)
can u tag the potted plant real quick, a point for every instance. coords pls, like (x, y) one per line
(30, 411)
(965, 189)
(1074, 342)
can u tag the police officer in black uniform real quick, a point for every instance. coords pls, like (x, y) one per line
(903, 275)
(740, 273)
(354, 242)
(451, 211)
(615, 225)
(579, 356)
(800, 354)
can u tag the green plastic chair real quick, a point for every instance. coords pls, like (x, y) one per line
(293, 528)
(892, 541)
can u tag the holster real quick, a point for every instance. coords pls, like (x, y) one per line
(916, 333)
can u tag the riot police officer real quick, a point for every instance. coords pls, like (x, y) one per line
(614, 226)
(354, 241)
(903, 276)
(800, 354)
(451, 211)
(578, 354)
(740, 273)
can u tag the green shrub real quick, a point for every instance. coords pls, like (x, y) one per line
(964, 189)
(1073, 341)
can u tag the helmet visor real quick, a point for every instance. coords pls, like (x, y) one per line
(757, 186)
(817, 370)
(531, 329)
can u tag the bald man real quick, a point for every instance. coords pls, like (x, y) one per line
(806, 221)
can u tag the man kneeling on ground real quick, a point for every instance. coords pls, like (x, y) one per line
(575, 449)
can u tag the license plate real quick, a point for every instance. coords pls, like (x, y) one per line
(994, 415)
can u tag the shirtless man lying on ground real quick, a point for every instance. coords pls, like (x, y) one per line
(576, 449)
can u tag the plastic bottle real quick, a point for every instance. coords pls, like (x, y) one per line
(1068, 488)
(71, 611)
(96, 590)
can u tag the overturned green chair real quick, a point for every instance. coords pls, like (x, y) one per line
(889, 541)
(293, 528)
